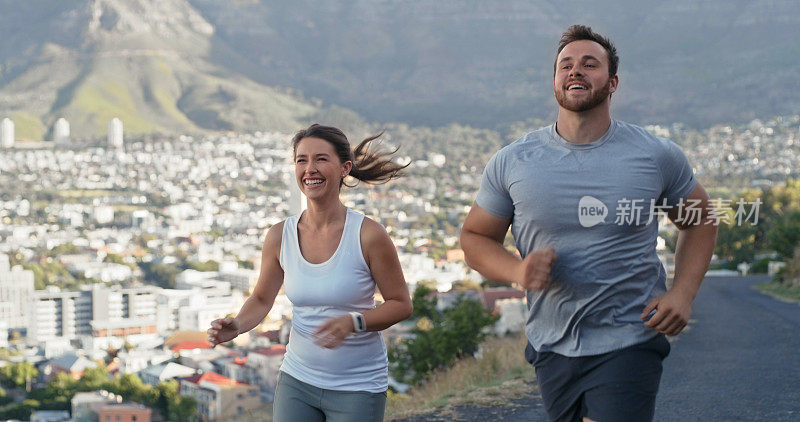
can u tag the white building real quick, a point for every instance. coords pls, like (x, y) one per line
(143, 356)
(95, 311)
(103, 214)
(16, 288)
(418, 267)
(437, 159)
(115, 132)
(266, 363)
(55, 347)
(85, 405)
(113, 333)
(197, 316)
(50, 416)
(7, 133)
(61, 131)
(513, 315)
(297, 200)
(3, 333)
(169, 302)
(54, 314)
(200, 298)
(209, 252)
(143, 219)
(240, 278)
(105, 271)
(164, 372)
(205, 280)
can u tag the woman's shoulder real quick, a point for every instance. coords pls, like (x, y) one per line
(372, 232)
(274, 234)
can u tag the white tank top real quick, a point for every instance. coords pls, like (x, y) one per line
(330, 289)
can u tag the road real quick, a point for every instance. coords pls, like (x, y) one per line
(739, 360)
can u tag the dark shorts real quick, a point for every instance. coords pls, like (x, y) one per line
(615, 386)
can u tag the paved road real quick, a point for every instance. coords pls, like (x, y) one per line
(739, 361)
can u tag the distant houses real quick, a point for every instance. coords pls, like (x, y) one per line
(102, 406)
(68, 363)
(219, 397)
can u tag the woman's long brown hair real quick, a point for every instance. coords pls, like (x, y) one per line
(370, 164)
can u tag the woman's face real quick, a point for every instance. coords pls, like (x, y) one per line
(318, 169)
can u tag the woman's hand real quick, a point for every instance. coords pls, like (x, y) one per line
(333, 332)
(222, 330)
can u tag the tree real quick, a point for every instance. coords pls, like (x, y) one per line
(94, 379)
(735, 243)
(160, 274)
(19, 374)
(151, 397)
(777, 224)
(466, 285)
(20, 411)
(209, 265)
(63, 249)
(4, 399)
(167, 392)
(61, 385)
(784, 237)
(790, 275)
(439, 337)
(131, 387)
(182, 408)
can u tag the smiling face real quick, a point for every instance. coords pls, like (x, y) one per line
(318, 170)
(581, 79)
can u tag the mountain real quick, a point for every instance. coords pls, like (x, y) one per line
(196, 65)
(485, 62)
(155, 64)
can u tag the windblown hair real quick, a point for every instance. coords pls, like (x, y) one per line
(370, 164)
(583, 32)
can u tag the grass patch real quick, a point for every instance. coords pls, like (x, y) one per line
(100, 103)
(780, 291)
(500, 375)
(84, 193)
(168, 105)
(28, 127)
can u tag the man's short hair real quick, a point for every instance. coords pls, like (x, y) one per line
(583, 32)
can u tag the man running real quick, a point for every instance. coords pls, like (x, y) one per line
(582, 198)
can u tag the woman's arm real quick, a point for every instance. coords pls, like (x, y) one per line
(258, 305)
(382, 260)
(381, 257)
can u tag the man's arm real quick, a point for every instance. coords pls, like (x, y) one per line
(482, 238)
(692, 256)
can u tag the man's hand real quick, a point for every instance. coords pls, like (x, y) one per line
(331, 334)
(535, 269)
(222, 330)
(673, 309)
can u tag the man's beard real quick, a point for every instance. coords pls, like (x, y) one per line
(578, 105)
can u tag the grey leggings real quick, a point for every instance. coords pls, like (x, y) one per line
(296, 401)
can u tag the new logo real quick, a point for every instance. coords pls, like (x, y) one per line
(591, 211)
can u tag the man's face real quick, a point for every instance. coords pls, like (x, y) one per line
(581, 81)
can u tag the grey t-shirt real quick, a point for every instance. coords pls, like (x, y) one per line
(594, 205)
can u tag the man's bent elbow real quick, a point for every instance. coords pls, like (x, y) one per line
(465, 240)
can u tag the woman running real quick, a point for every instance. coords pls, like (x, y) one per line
(329, 260)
